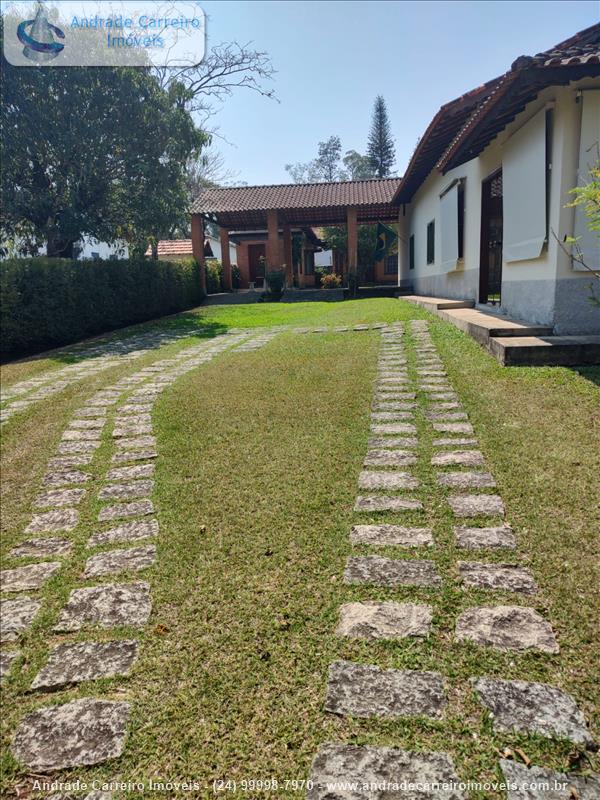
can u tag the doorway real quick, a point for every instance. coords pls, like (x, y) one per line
(490, 262)
(256, 261)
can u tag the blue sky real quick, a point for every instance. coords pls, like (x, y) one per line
(332, 58)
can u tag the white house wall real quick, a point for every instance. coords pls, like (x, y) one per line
(545, 290)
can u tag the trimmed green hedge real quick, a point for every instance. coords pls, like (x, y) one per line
(48, 302)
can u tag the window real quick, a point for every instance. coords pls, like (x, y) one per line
(309, 262)
(411, 252)
(461, 219)
(524, 170)
(431, 242)
(390, 266)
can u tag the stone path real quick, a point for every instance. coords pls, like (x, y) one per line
(91, 360)
(91, 730)
(366, 690)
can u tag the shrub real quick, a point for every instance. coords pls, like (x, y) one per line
(214, 276)
(236, 276)
(331, 281)
(275, 281)
(47, 302)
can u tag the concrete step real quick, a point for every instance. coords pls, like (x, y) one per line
(548, 351)
(434, 304)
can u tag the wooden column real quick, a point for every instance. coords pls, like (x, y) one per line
(352, 224)
(225, 259)
(273, 257)
(198, 247)
(287, 255)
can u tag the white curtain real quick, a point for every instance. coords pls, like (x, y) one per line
(587, 241)
(449, 228)
(524, 191)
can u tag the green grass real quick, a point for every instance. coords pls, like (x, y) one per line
(218, 319)
(259, 455)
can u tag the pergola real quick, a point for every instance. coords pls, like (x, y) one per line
(287, 206)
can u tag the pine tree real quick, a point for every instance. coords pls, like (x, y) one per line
(380, 147)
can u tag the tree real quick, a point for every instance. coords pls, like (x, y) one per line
(98, 152)
(380, 148)
(324, 168)
(359, 167)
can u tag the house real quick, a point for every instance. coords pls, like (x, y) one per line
(177, 249)
(252, 254)
(483, 202)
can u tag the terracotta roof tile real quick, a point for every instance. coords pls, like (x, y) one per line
(295, 196)
(172, 247)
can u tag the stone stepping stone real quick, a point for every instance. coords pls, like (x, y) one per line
(446, 416)
(387, 396)
(393, 405)
(452, 442)
(435, 397)
(106, 606)
(16, 616)
(133, 559)
(123, 491)
(393, 441)
(134, 408)
(389, 458)
(42, 548)
(392, 377)
(129, 532)
(384, 620)
(383, 503)
(387, 480)
(62, 520)
(131, 430)
(364, 690)
(136, 443)
(485, 538)
(532, 708)
(86, 661)
(466, 480)
(81, 436)
(475, 505)
(453, 427)
(136, 509)
(506, 628)
(134, 455)
(31, 576)
(88, 424)
(382, 571)
(391, 416)
(504, 577)
(60, 497)
(447, 406)
(67, 448)
(394, 427)
(90, 411)
(133, 419)
(463, 458)
(536, 783)
(66, 478)
(6, 661)
(62, 463)
(82, 732)
(127, 473)
(396, 535)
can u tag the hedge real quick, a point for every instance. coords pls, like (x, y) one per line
(48, 302)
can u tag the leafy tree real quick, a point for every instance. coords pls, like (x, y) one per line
(324, 168)
(380, 148)
(359, 167)
(98, 152)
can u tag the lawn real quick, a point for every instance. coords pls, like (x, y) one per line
(259, 455)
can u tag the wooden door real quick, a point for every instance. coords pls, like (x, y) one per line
(490, 263)
(256, 252)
